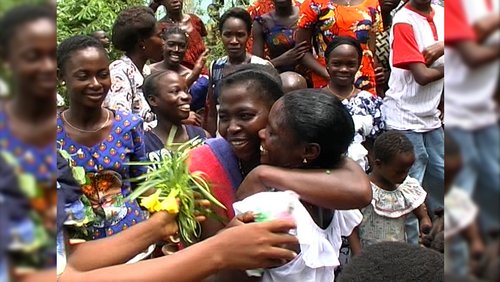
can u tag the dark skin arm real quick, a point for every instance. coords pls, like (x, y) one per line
(249, 246)
(354, 242)
(372, 42)
(258, 39)
(290, 57)
(305, 35)
(210, 120)
(423, 219)
(127, 244)
(486, 26)
(198, 67)
(48, 275)
(473, 237)
(232, 275)
(433, 52)
(425, 75)
(346, 187)
(475, 55)
(211, 226)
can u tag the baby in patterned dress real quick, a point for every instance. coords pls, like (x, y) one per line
(395, 194)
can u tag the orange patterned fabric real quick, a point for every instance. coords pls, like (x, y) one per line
(358, 21)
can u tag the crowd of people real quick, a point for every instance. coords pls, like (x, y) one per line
(327, 111)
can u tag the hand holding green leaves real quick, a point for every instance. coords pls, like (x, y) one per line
(175, 187)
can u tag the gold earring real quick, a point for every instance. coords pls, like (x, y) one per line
(304, 161)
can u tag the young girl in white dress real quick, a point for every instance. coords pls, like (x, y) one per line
(395, 194)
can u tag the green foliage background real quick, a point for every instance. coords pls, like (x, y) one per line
(76, 17)
(85, 17)
(7, 4)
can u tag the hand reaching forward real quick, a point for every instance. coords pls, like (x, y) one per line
(256, 245)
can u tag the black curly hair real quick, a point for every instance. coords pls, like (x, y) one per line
(316, 117)
(73, 44)
(261, 81)
(394, 262)
(342, 40)
(266, 69)
(150, 85)
(389, 144)
(238, 13)
(175, 30)
(132, 25)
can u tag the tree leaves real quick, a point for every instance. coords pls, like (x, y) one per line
(85, 17)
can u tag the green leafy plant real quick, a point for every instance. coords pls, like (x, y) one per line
(85, 17)
(175, 187)
(216, 51)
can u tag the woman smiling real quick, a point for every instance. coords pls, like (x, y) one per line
(98, 139)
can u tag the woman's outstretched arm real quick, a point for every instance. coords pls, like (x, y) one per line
(343, 188)
(246, 246)
(123, 246)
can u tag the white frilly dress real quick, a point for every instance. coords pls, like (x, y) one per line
(459, 211)
(319, 254)
(384, 219)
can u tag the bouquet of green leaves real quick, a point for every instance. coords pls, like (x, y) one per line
(175, 187)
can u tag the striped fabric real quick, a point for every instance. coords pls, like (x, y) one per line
(407, 104)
